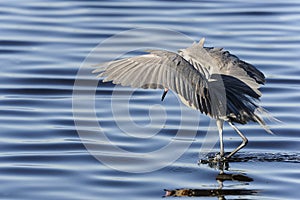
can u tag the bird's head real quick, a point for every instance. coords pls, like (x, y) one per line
(194, 45)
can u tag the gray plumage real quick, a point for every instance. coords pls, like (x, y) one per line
(208, 79)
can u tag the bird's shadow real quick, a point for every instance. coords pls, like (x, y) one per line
(220, 191)
(250, 157)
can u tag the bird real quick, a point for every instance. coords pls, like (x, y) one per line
(208, 79)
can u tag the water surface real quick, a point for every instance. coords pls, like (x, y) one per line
(42, 46)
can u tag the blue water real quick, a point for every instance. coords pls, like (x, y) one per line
(42, 47)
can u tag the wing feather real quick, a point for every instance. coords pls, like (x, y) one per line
(161, 69)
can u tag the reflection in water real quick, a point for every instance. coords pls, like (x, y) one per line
(220, 191)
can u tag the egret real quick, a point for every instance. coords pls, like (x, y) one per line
(208, 79)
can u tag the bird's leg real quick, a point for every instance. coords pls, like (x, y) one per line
(242, 145)
(220, 129)
(164, 94)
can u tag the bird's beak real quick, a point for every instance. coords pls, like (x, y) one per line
(201, 42)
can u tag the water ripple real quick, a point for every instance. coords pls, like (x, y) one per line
(42, 46)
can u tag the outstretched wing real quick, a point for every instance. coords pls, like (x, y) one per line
(161, 69)
(218, 61)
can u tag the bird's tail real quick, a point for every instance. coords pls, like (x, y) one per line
(260, 114)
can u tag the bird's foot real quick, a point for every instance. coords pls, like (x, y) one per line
(213, 158)
(217, 162)
(219, 158)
